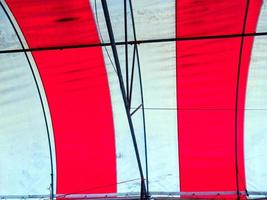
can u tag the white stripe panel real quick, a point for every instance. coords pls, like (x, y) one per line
(127, 169)
(159, 81)
(24, 150)
(256, 112)
(154, 19)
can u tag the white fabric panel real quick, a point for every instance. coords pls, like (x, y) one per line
(256, 112)
(159, 80)
(24, 149)
(154, 19)
(7, 38)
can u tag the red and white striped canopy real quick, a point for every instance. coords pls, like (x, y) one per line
(198, 100)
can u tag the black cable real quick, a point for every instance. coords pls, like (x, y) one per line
(101, 38)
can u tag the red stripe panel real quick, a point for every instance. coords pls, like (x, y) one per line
(206, 93)
(77, 90)
(206, 83)
(209, 17)
(55, 23)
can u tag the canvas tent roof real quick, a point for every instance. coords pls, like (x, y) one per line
(194, 75)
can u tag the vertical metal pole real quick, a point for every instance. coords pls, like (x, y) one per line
(144, 120)
(117, 63)
(126, 48)
(52, 188)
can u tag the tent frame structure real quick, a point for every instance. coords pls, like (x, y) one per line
(126, 91)
(125, 95)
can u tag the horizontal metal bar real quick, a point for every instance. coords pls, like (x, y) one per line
(133, 42)
(72, 196)
(257, 193)
(133, 195)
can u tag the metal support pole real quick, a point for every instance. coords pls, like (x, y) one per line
(126, 49)
(236, 102)
(142, 96)
(51, 189)
(124, 96)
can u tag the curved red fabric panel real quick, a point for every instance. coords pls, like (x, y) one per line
(55, 23)
(77, 90)
(203, 18)
(206, 93)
